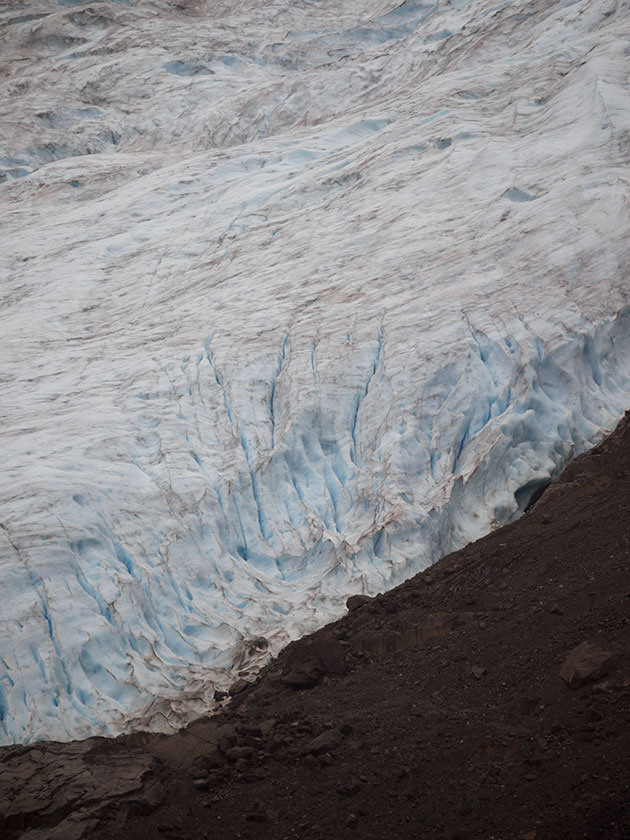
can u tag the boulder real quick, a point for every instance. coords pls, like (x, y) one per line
(238, 687)
(309, 661)
(588, 662)
(71, 788)
(235, 753)
(327, 742)
(354, 602)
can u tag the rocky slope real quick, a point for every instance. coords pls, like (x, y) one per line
(488, 697)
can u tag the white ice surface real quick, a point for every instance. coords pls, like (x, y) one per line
(296, 297)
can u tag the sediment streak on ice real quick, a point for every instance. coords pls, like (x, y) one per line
(296, 297)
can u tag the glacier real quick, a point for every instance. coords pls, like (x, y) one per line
(297, 297)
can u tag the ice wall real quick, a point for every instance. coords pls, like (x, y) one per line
(296, 297)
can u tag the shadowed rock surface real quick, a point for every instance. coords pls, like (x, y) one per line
(440, 709)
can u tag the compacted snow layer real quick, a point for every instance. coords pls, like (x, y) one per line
(296, 297)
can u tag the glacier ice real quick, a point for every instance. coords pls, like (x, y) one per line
(296, 297)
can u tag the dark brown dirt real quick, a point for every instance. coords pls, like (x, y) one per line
(436, 710)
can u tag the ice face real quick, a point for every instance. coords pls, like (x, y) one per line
(296, 298)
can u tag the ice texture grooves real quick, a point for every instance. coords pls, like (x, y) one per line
(296, 297)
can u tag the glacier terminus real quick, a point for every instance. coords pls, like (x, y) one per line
(296, 297)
